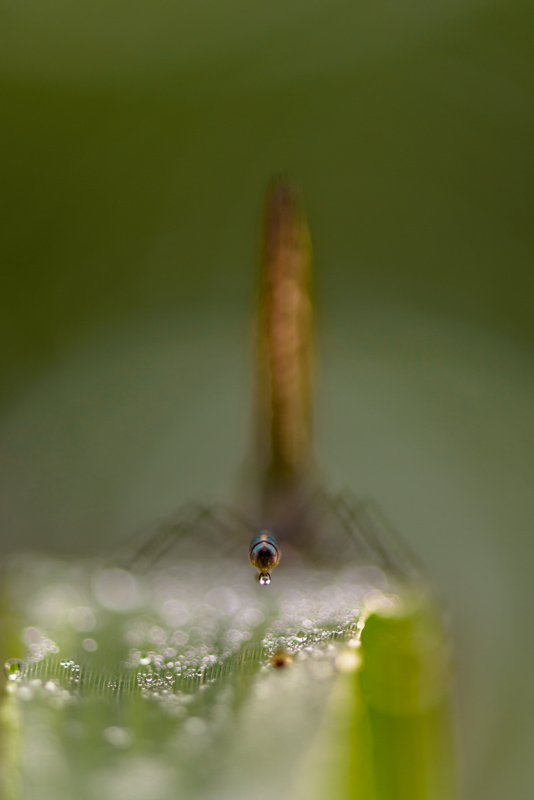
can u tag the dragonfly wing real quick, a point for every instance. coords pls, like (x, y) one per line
(194, 531)
(353, 529)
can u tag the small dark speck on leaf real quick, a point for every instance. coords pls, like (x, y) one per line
(281, 658)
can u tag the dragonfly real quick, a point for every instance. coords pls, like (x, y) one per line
(293, 514)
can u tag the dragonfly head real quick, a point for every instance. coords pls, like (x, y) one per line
(264, 553)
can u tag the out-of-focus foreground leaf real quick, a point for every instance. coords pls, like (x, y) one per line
(194, 681)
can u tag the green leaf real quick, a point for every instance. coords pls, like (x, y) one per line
(195, 681)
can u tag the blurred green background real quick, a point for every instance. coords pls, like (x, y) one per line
(137, 140)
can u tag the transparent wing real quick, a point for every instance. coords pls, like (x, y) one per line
(343, 529)
(354, 529)
(194, 531)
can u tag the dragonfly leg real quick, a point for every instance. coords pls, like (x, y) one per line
(220, 526)
(381, 543)
(357, 529)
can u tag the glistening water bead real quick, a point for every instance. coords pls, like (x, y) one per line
(13, 668)
(264, 554)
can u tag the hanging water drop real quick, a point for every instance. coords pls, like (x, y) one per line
(13, 668)
(264, 579)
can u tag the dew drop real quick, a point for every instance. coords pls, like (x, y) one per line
(264, 579)
(348, 661)
(118, 737)
(13, 668)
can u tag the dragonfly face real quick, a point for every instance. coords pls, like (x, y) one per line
(264, 554)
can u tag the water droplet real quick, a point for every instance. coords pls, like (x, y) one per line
(116, 590)
(13, 668)
(348, 661)
(118, 737)
(264, 579)
(24, 693)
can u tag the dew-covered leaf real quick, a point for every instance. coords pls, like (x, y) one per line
(194, 680)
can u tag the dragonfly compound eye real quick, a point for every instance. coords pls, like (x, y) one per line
(264, 554)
